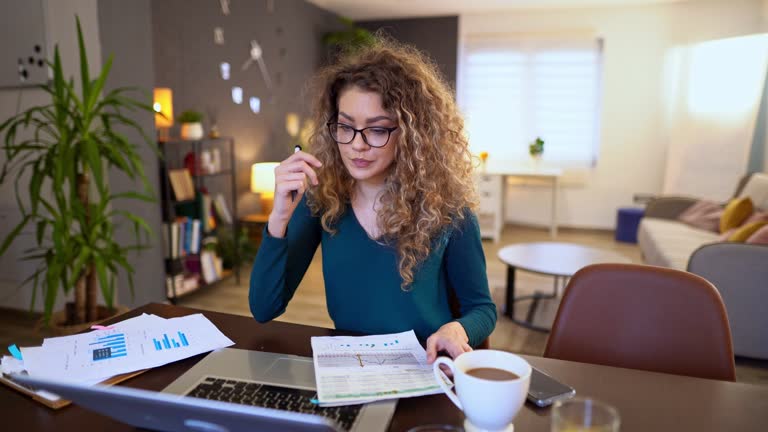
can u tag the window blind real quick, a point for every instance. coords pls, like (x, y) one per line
(514, 89)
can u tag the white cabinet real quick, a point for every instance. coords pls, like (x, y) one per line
(490, 188)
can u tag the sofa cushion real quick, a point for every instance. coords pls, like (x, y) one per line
(745, 231)
(670, 243)
(735, 213)
(759, 237)
(703, 214)
(757, 216)
(757, 189)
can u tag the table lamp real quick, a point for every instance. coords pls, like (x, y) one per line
(163, 106)
(263, 183)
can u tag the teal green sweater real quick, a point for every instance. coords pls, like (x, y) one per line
(362, 282)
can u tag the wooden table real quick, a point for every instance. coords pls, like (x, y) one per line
(646, 401)
(560, 260)
(548, 174)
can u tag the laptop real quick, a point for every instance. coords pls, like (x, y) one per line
(229, 390)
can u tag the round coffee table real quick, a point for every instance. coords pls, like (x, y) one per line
(560, 260)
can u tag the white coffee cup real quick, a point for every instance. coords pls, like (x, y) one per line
(488, 404)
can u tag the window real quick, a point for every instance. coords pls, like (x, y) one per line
(514, 89)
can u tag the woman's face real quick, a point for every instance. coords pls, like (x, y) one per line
(360, 109)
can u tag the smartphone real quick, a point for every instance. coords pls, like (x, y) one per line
(545, 390)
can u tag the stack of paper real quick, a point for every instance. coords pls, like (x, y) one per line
(138, 343)
(352, 370)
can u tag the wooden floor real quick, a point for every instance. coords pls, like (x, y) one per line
(308, 306)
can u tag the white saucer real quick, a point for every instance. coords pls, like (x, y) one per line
(469, 427)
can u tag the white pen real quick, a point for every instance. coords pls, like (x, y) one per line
(296, 149)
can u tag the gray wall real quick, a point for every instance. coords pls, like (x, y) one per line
(59, 29)
(126, 33)
(436, 36)
(187, 60)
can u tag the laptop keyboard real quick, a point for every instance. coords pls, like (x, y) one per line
(267, 396)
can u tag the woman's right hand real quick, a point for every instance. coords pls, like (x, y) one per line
(291, 175)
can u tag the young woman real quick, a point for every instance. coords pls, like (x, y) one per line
(388, 193)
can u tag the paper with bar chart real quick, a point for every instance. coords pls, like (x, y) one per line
(139, 343)
(351, 370)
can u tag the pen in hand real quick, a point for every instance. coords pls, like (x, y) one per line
(296, 149)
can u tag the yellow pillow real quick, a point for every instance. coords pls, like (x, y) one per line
(743, 233)
(735, 213)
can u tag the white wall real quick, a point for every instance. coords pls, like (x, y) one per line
(60, 28)
(633, 136)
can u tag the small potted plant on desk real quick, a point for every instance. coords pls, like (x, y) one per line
(536, 149)
(58, 155)
(191, 125)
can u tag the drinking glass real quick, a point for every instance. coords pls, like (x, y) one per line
(584, 415)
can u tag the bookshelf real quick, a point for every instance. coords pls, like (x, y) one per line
(199, 208)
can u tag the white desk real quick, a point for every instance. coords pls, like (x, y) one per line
(492, 185)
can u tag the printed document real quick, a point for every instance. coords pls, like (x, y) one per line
(139, 343)
(351, 370)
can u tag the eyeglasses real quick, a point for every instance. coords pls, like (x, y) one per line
(374, 136)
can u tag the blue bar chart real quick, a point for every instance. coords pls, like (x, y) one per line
(108, 347)
(167, 343)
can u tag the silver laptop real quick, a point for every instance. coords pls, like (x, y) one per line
(230, 390)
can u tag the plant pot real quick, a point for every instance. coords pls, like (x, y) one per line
(59, 326)
(536, 160)
(192, 131)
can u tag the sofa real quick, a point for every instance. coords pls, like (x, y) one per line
(738, 270)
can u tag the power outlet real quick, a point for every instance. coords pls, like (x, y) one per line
(31, 65)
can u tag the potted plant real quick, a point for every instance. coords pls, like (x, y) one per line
(233, 252)
(58, 155)
(191, 126)
(536, 149)
(349, 38)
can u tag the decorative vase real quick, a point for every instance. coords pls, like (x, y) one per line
(192, 131)
(483, 160)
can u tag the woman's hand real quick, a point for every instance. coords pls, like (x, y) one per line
(451, 338)
(291, 175)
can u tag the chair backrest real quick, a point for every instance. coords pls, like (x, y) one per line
(740, 273)
(643, 317)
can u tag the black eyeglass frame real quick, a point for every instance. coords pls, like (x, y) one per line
(360, 131)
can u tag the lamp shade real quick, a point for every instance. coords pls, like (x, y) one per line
(163, 104)
(263, 178)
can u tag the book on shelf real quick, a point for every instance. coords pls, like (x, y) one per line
(222, 209)
(195, 243)
(206, 212)
(181, 183)
(170, 281)
(182, 283)
(185, 237)
(175, 239)
(211, 266)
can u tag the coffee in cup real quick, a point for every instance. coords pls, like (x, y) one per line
(491, 387)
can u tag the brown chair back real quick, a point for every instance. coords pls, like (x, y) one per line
(643, 317)
(453, 303)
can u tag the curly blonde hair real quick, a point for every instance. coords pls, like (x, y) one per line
(430, 182)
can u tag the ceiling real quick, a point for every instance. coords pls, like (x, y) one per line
(379, 9)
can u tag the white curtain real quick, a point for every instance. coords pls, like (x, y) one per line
(713, 94)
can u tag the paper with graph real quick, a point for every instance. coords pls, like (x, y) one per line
(351, 370)
(138, 343)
